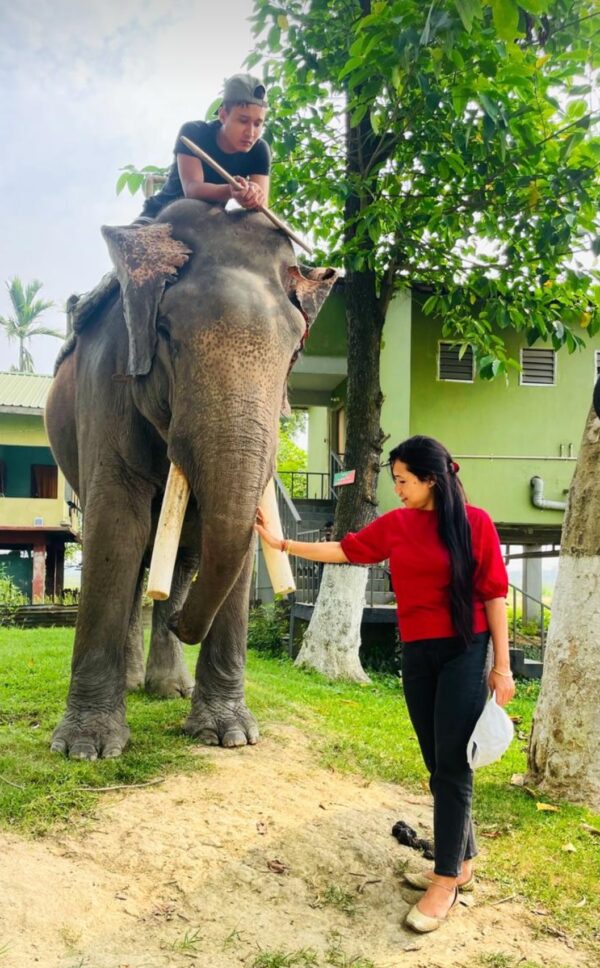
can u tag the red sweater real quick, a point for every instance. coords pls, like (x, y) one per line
(420, 568)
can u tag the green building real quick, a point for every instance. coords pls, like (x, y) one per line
(38, 512)
(516, 439)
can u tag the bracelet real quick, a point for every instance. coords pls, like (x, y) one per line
(507, 675)
(285, 545)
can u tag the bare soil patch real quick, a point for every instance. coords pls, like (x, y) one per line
(269, 851)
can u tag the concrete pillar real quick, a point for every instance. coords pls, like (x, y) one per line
(532, 584)
(50, 578)
(38, 581)
(59, 572)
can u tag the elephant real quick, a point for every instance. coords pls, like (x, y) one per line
(596, 398)
(185, 362)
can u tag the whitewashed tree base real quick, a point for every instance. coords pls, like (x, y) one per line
(332, 640)
(564, 752)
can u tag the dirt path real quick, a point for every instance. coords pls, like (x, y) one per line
(265, 852)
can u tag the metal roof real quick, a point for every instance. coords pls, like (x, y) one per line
(23, 392)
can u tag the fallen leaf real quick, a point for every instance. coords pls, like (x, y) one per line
(581, 903)
(322, 806)
(517, 779)
(516, 719)
(261, 827)
(277, 866)
(569, 848)
(590, 829)
(547, 807)
(541, 911)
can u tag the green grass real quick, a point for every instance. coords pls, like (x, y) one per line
(39, 788)
(360, 729)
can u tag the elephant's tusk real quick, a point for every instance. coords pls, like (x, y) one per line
(168, 532)
(278, 563)
(231, 181)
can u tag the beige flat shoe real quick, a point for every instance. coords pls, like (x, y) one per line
(422, 881)
(425, 923)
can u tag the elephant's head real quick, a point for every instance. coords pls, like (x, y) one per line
(215, 307)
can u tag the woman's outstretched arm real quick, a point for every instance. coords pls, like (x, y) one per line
(329, 552)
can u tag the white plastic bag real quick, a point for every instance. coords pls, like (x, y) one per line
(491, 737)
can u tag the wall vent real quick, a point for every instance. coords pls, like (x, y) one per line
(452, 366)
(538, 367)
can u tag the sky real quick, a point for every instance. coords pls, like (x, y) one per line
(84, 90)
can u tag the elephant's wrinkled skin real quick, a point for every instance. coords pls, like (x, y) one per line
(189, 366)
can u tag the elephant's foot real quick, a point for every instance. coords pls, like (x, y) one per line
(169, 683)
(88, 735)
(221, 722)
(134, 679)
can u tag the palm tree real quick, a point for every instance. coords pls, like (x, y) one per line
(21, 326)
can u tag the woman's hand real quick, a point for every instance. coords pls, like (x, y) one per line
(259, 526)
(503, 686)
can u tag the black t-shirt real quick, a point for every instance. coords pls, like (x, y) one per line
(257, 161)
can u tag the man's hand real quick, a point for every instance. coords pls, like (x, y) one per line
(248, 195)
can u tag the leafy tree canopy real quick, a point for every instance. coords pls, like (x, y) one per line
(452, 143)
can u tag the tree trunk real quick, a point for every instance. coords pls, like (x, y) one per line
(334, 630)
(332, 640)
(564, 754)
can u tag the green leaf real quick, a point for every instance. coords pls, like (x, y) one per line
(535, 6)
(274, 38)
(213, 108)
(506, 18)
(135, 182)
(467, 11)
(121, 182)
(489, 106)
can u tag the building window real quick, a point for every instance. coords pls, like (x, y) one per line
(538, 367)
(44, 480)
(454, 367)
(597, 365)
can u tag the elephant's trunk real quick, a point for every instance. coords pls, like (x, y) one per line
(228, 490)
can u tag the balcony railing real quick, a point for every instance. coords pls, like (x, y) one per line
(307, 575)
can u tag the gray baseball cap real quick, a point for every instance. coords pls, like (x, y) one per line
(245, 89)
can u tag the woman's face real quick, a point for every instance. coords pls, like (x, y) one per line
(413, 492)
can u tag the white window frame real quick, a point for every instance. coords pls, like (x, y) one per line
(548, 349)
(442, 379)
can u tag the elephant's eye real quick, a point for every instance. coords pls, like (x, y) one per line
(163, 330)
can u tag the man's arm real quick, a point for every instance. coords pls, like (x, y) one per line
(191, 174)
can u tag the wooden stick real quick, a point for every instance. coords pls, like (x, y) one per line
(168, 532)
(231, 181)
(278, 563)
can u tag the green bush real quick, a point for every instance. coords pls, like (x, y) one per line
(11, 598)
(268, 629)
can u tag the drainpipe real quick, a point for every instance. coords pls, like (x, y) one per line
(537, 497)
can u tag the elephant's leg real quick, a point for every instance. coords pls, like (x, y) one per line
(166, 672)
(116, 530)
(219, 714)
(134, 643)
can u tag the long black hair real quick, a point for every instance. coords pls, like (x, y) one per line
(429, 460)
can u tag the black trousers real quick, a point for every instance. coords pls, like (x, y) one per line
(445, 687)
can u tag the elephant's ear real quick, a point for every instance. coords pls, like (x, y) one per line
(146, 258)
(309, 289)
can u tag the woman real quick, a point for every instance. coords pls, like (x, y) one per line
(450, 585)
